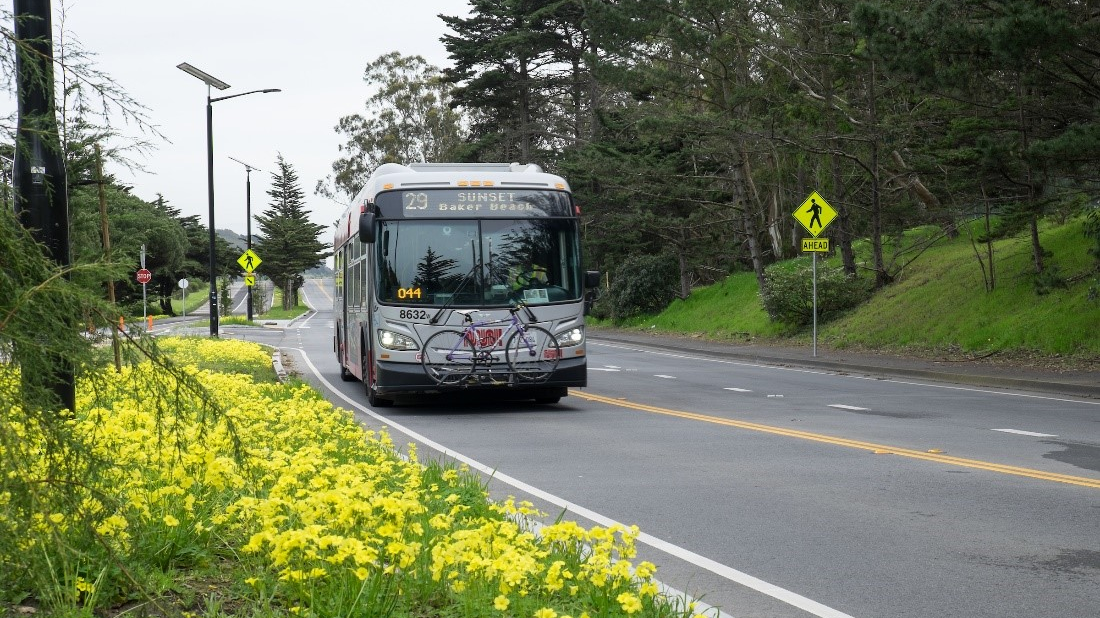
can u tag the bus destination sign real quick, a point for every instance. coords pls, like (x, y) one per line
(475, 203)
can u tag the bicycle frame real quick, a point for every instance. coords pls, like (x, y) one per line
(464, 357)
(483, 354)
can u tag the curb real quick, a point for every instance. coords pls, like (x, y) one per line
(1091, 391)
(277, 365)
(284, 324)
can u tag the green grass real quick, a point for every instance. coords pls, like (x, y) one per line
(939, 302)
(196, 297)
(278, 313)
(729, 310)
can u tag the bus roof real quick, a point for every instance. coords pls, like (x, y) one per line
(445, 175)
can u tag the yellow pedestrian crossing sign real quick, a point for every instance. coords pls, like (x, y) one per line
(815, 214)
(249, 261)
(250, 280)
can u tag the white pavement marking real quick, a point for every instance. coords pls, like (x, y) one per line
(1028, 433)
(738, 390)
(603, 369)
(844, 407)
(838, 375)
(782, 594)
(662, 376)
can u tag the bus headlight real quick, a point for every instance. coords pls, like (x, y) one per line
(571, 337)
(396, 341)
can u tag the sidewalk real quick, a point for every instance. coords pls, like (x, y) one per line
(988, 372)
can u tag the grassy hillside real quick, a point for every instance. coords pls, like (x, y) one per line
(937, 303)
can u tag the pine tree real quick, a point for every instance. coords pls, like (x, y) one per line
(288, 241)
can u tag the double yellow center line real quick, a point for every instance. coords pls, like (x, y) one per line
(856, 444)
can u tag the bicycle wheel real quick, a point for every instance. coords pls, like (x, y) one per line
(447, 357)
(533, 354)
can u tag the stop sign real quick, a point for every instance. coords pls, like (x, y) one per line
(144, 276)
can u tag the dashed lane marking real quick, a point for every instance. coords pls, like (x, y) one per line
(1083, 481)
(1028, 433)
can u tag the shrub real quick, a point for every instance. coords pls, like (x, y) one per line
(788, 293)
(642, 284)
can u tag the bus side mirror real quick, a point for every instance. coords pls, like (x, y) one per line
(366, 227)
(592, 279)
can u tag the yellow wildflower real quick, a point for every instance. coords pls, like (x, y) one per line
(630, 603)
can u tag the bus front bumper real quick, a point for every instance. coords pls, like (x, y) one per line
(395, 378)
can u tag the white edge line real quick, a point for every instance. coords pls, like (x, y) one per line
(737, 390)
(844, 407)
(776, 592)
(833, 373)
(1028, 433)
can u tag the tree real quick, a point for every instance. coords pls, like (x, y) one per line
(288, 243)
(1024, 76)
(519, 71)
(406, 120)
(132, 223)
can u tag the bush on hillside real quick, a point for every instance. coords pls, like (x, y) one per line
(788, 293)
(641, 284)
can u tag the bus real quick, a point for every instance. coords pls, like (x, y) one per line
(466, 248)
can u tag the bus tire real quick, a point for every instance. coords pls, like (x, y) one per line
(373, 398)
(345, 375)
(550, 395)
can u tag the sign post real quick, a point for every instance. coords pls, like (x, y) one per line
(249, 261)
(183, 294)
(144, 305)
(815, 214)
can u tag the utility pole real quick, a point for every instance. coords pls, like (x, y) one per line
(41, 197)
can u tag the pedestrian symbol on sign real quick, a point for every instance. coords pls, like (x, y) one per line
(816, 210)
(815, 214)
(249, 261)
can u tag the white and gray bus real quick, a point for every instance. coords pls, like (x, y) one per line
(479, 250)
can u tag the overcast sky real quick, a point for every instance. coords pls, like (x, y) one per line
(314, 51)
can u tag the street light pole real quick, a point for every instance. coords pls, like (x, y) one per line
(213, 82)
(248, 213)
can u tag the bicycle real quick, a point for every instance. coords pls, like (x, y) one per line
(454, 357)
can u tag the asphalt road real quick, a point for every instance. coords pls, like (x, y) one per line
(780, 491)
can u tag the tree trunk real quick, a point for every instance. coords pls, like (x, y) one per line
(742, 199)
(844, 220)
(685, 272)
(882, 278)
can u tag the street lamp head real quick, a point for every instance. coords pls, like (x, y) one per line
(266, 90)
(207, 78)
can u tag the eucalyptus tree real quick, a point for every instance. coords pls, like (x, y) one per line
(693, 70)
(407, 119)
(1028, 78)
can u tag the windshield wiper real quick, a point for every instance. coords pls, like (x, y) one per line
(454, 294)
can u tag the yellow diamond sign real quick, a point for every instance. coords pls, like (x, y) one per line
(815, 214)
(249, 261)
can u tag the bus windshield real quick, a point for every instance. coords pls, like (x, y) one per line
(478, 262)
